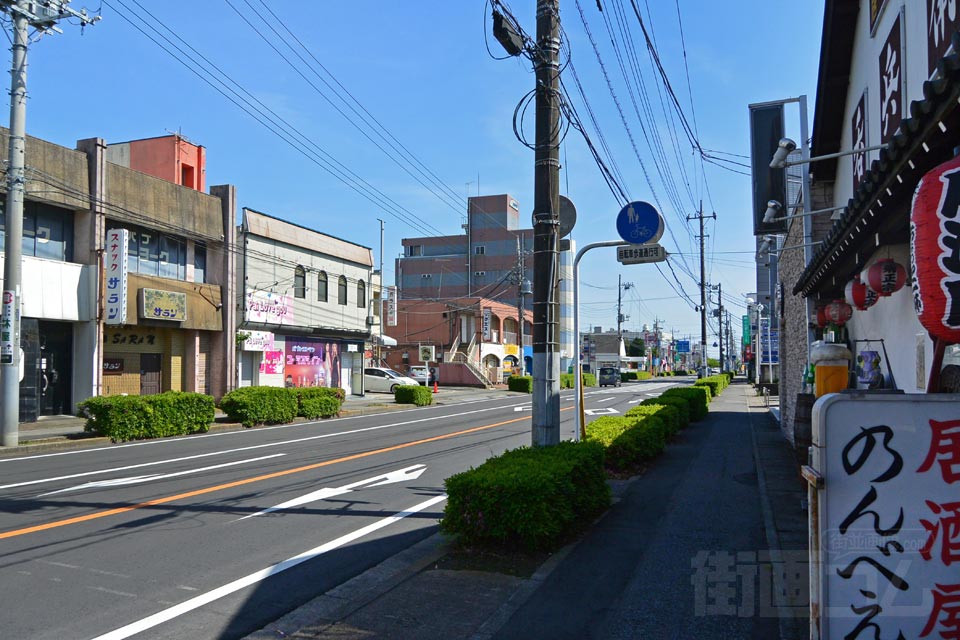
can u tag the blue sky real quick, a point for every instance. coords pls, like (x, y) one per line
(423, 71)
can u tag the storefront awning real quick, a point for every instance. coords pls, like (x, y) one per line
(385, 341)
(879, 212)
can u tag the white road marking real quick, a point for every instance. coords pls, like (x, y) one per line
(526, 407)
(121, 482)
(112, 592)
(258, 576)
(602, 411)
(401, 475)
(169, 441)
(605, 400)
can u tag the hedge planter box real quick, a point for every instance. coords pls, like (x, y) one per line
(173, 413)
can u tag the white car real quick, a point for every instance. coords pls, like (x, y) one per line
(419, 373)
(385, 380)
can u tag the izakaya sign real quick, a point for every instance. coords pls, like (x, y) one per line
(886, 558)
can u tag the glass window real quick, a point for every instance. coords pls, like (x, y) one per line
(361, 294)
(342, 290)
(376, 303)
(199, 262)
(322, 286)
(415, 250)
(299, 282)
(172, 252)
(47, 231)
(50, 237)
(29, 244)
(133, 250)
(149, 254)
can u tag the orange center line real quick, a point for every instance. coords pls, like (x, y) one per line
(277, 474)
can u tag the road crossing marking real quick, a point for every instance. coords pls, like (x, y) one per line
(602, 411)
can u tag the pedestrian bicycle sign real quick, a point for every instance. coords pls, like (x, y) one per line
(639, 223)
(640, 253)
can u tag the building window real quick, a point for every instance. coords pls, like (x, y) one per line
(479, 250)
(299, 282)
(361, 294)
(173, 258)
(415, 250)
(322, 286)
(156, 254)
(199, 262)
(47, 231)
(342, 290)
(376, 303)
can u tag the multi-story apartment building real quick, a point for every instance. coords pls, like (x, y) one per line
(307, 305)
(491, 259)
(177, 261)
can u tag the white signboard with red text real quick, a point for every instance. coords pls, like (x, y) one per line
(115, 300)
(885, 557)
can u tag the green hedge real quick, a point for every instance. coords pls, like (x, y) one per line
(566, 380)
(628, 376)
(628, 440)
(668, 414)
(525, 383)
(251, 406)
(716, 383)
(173, 413)
(319, 402)
(681, 405)
(697, 397)
(533, 498)
(413, 394)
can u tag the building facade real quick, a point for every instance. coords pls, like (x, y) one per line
(178, 260)
(306, 303)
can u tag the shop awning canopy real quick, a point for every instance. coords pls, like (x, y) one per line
(879, 211)
(385, 341)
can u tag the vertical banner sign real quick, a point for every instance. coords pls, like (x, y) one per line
(885, 552)
(391, 306)
(943, 19)
(487, 319)
(115, 309)
(747, 338)
(766, 130)
(858, 133)
(891, 83)
(7, 339)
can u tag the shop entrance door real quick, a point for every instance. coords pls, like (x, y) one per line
(56, 375)
(149, 373)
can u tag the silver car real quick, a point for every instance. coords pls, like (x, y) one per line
(384, 380)
(608, 376)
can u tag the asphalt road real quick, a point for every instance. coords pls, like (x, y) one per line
(216, 535)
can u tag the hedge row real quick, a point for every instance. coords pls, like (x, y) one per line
(566, 380)
(251, 406)
(173, 413)
(532, 498)
(716, 383)
(628, 376)
(523, 384)
(697, 398)
(680, 404)
(676, 372)
(413, 394)
(630, 439)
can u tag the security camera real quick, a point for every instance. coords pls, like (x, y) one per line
(774, 209)
(784, 148)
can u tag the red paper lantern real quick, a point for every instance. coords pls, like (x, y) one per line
(860, 295)
(886, 276)
(821, 317)
(934, 235)
(838, 312)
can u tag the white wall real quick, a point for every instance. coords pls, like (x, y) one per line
(54, 290)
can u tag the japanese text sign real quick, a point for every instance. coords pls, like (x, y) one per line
(888, 559)
(164, 305)
(115, 268)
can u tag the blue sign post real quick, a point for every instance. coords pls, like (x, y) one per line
(639, 223)
(683, 346)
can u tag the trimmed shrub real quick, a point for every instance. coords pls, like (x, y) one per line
(251, 406)
(413, 394)
(566, 380)
(628, 440)
(697, 397)
(318, 402)
(668, 414)
(533, 498)
(681, 405)
(173, 413)
(627, 376)
(716, 383)
(525, 383)
(589, 380)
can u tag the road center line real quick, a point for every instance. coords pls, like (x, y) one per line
(258, 576)
(238, 483)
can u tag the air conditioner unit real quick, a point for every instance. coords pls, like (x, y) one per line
(371, 320)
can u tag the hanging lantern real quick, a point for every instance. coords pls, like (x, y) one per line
(838, 312)
(860, 295)
(822, 317)
(886, 276)
(933, 240)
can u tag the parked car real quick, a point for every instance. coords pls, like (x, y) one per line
(384, 380)
(608, 376)
(714, 371)
(420, 373)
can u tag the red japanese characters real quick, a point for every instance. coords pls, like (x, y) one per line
(860, 295)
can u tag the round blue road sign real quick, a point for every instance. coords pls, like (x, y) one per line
(639, 223)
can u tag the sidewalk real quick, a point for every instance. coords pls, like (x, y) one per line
(631, 575)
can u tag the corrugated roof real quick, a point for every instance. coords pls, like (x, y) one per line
(266, 226)
(925, 140)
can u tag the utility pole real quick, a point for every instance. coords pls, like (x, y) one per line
(380, 310)
(22, 17)
(720, 323)
(546, 209)
(621, 286)
(522, 290)
(703, 293)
